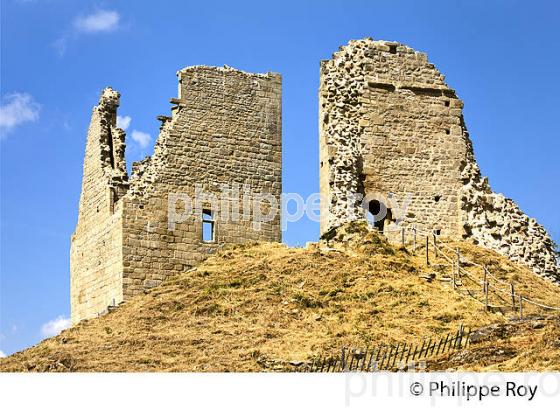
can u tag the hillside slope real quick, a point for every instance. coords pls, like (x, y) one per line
(251, 306)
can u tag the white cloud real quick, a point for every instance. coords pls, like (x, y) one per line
(55, 326)
(16, 109)
(99, 21)
(123, 122)
(2, 354)
(142, 138)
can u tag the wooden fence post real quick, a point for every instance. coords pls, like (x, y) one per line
(435, 244)
(427, 250)
(402, 236)
(395, 356)
(387, 353)
(408, 354)
(454, 279)
(352, 359)
(364, 361)
(370, 359)
(458, 262)
(421, 349)
(485, 276)
(512, 296)
(428, 347)
(461, 332)
(402, 352)
(520, 307)
(414, 354)
(388, 363)
(456, 338)
(445, 343)
(439, 345)
(377, 357)
(486, 295)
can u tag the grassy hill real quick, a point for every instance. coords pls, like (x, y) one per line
(256, 307)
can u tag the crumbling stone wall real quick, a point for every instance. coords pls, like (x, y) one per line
(96, 251)
(392, 130)
(496, 222)
(224, 132)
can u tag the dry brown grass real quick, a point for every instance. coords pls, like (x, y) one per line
(526, 345)
(250, 305)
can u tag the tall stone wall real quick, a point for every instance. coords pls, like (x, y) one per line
(96, 245)
(223, 135)
(224, 131)
(392, 131)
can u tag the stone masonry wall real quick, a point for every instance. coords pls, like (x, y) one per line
(96, 246)
(224, 131)
(390, 126)
(392, 130)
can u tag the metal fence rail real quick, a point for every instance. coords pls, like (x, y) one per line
(488, 282)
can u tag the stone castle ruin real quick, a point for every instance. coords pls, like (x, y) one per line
(391, 131)
(224, 129)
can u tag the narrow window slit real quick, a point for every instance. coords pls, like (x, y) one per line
(208, 226)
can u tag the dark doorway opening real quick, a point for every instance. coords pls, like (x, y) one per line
(380, 213)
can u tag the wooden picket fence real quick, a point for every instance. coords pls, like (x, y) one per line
(388, 357)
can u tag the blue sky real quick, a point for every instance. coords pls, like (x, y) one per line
(502, 57)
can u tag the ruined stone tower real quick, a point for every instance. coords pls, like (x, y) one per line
(224, 133)
(392, 132)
